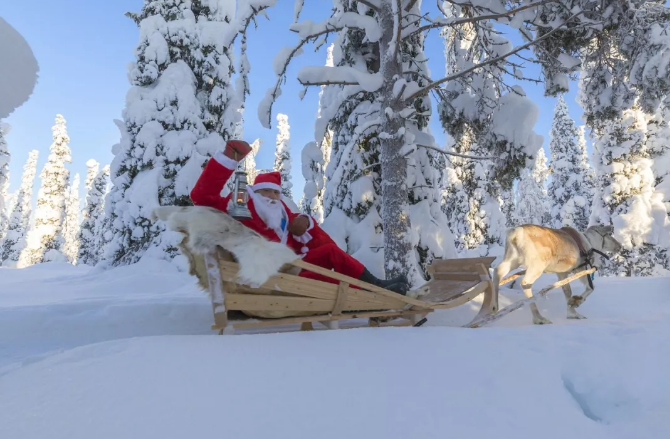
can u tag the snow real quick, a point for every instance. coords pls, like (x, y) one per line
(317, 75)
(18, 70)
(345, 20)
(128, 353)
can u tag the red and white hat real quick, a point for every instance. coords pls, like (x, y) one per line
(268, 180)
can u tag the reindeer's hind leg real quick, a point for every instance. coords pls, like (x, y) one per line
(567, 291)
(533, 274)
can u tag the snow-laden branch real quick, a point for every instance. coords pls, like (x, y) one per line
(502, 57)
(455, 154)
(453, 21)
(340, 76)
(351, 20)
(310, 31)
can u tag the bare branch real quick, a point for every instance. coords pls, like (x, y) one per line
(312, 37)
(369, 5)
(410, 5)
(322, 83)
(435, 84)
(455, 154)
(479, 17)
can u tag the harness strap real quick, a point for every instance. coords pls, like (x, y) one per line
(587, 255)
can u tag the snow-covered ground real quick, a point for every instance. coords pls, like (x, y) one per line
(128, 353)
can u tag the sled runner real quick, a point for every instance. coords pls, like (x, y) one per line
(289, 299)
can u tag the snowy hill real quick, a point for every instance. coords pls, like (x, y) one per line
(128, 353)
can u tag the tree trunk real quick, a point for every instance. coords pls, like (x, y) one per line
(395, 204)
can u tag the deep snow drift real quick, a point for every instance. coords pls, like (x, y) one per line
(153, 376)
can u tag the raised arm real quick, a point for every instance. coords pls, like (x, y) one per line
(207, 190)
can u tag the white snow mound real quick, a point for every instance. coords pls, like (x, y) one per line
(18, 70)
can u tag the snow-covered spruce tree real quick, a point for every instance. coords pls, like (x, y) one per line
(44, 240)
(92, 229)
(391, 32)
(478, 197)
(658, 142)
(625, 72)
(316, 155)
(571, 187)
(283, 163)
(71, 223)
(627, 199)
(532, 203)
(19, 220)
(4, 180)
(180, 110)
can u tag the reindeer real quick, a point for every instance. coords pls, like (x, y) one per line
(560, 251)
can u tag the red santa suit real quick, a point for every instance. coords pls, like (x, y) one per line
(315, 246)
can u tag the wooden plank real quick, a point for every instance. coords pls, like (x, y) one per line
(459, 264)
(478, 323)
(258, 302)
(455, 275)
(216, 290)
(350, 280)
(295, 320)
(342, 293)
(303, 286)
(464, 297)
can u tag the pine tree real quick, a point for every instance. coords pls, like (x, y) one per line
(283, 163)
(19, 221)
(626, 197)
(179, 111)
(92, 227)
(4, 180)
(45, 240)
(532, 202)
(571, 187)
(71, 224)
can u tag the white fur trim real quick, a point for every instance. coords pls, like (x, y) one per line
(266, 185)
(225, 161)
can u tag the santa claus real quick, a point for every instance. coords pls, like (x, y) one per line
(273, 220)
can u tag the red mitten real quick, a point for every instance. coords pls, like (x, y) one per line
(237, 149)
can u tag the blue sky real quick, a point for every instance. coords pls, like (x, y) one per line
(83, 49)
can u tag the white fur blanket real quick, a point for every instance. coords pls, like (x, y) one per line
(259, 259)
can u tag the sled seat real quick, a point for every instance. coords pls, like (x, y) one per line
(287, 298)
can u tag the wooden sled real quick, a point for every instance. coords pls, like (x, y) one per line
(454, 282)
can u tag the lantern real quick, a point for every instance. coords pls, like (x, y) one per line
(239, 210)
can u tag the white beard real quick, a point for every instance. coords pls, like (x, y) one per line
(271, 211)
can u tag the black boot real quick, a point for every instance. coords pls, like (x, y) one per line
(398, 284)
